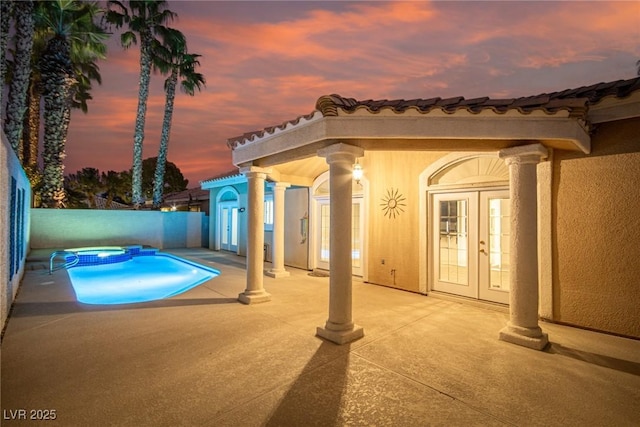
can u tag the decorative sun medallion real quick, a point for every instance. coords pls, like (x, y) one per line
(392, 203)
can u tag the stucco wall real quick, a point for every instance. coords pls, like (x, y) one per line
(296, 205)
(394, 240)
(15, 201)
(596, 239)
(67, 228)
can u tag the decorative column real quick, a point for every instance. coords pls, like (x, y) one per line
(340, 327)
(255, 292)
(277, 267)
(523, 328)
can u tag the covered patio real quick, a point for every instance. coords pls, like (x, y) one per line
(204, 359)
(341, 131)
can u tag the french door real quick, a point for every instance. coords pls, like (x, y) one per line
(228, 226)
(323, 235)
(470, 247)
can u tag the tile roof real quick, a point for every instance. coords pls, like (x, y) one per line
(576, 101)
(191, 194)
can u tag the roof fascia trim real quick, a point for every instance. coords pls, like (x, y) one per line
(221, 182)
(612, 109)
(345, 128)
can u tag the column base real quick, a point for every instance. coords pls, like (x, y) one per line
(277, 273)
(254, 297)
(532, 338)
(340, 337)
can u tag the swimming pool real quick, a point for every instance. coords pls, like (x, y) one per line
(140, 278)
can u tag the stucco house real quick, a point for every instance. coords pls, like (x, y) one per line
(529, 203)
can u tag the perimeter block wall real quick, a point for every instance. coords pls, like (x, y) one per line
(15, 200)
(70, 228)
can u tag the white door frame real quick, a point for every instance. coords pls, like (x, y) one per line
(488, 253)
(476, 246)
(468, 264)
(228, 211)
(220, 204)
(545, 224)
(425, 188)
(314, 223)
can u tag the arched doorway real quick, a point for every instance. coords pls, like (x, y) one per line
(468, 227)
(320, 225)
(227, 220)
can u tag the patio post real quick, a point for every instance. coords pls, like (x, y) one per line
(277, 267)
(522, 328)
(255, 292)
(340, 328)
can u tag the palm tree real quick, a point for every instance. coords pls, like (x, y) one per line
(6, 9)
(87, 182)
(72, 25)
(86, 71)
(118, 186)
(17, 102)
(147, 18)
(181, 65)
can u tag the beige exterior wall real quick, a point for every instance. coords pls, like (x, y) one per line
(296, 253)
(395, 240)
(596, 233)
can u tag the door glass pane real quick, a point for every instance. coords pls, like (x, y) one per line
(499, 230)
(224, 226)
(355, 235)
(454, 240)
(324, 233)
(234, 227)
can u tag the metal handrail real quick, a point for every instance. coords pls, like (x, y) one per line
(67, 264)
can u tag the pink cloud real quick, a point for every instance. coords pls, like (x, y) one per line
(268, 62)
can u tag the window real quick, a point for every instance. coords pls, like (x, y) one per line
(268, 212)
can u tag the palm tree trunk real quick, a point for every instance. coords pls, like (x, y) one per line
(6, 8)
(138, 137)
(158, 180)
(31, 127)
(57, 78)
(17, 103)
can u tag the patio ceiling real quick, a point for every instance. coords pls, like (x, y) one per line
(299, 172)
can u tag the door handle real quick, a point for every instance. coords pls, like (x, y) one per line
(482, 251)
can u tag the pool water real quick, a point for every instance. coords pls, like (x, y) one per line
(140, 279)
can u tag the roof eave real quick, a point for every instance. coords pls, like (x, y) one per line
(450, 132)
(222, 182)
(612, 108)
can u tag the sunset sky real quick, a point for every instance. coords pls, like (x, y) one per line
(266, 62)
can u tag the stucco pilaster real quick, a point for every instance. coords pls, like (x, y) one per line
(340, 328)
(523, 326)
(277, 268)
(255, 293)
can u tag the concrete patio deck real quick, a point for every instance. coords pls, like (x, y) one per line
(204, 359)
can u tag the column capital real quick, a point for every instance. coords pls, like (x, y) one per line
(532, 153)
(279, 184)
(341, 151)
(254, 171)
